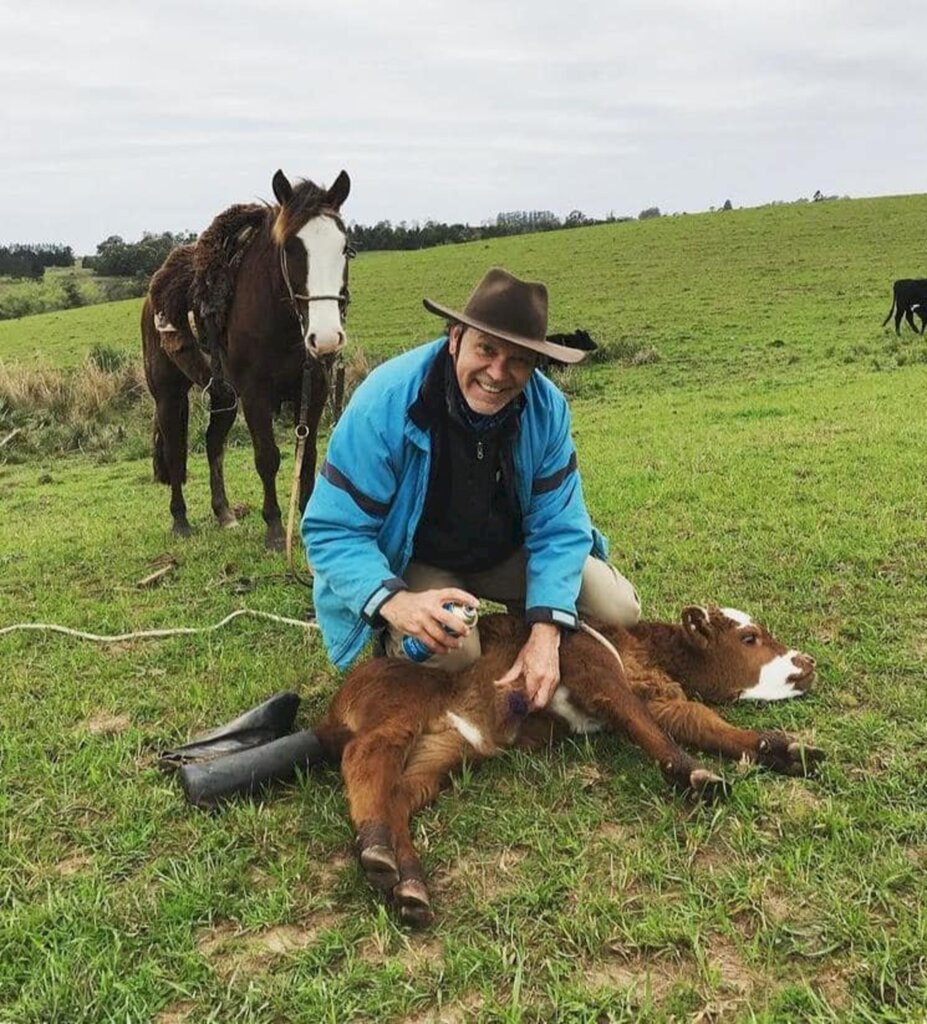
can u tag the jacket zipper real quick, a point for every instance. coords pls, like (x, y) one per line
(479, 449)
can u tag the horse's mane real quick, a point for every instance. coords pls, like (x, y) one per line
(305, 202)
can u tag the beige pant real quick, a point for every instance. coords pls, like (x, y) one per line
(604, 594)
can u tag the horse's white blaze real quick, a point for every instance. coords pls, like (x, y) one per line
(741, 618)
(470, 732)
(324, 242)
(577, 720)
(774, 680)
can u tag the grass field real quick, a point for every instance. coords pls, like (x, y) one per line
(756, 439)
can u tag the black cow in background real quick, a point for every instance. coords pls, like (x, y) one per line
(909, 296)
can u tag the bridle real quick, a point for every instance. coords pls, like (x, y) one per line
(343, 298)
(326, 364)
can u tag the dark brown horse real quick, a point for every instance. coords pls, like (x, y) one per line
(266, 288)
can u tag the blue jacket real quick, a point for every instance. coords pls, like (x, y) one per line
(360, 522)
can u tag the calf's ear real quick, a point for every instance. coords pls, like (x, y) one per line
(696, 626)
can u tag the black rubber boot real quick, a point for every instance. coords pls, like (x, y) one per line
(257, 727)
(249, 771)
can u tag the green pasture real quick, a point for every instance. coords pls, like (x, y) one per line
(751, 436)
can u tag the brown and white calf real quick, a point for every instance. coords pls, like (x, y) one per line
(400, 729)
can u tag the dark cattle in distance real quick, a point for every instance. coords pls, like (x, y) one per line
(909, 296)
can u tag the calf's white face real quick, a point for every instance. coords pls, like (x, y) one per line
(785, 675)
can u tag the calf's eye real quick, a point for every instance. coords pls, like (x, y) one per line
(748, 638)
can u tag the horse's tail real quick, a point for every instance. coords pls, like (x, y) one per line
(158, 458)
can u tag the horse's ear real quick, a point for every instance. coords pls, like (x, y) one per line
(337, 194)
(282, 188)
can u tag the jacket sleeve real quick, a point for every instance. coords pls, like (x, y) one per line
(350, 502)
(558, 531)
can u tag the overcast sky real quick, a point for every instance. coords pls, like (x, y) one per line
(120, 117)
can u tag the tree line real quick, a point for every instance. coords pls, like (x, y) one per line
(31, 260)
(386, 235)
(118, 258)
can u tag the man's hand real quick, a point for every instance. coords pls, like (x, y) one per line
(538, 663)
(422, 614)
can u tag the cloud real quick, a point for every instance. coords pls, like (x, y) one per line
(128, 118)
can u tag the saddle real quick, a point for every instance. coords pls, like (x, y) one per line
(192, 291)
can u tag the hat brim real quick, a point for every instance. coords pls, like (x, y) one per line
(546, 348)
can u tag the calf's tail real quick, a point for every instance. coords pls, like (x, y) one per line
(890, 312)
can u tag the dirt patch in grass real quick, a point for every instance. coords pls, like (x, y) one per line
(73, 865)
(177, 1013)
(640, 974)
(104, 723)
(488, 875)
(456, 1013)
(416, 953)
(231, 950)
(834, 985)
(725, 960)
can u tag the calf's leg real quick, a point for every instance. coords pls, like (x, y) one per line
(701, 727)
(597, 685)
(371, 766)
(430, 763)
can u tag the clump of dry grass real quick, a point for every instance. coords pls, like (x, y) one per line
(87, 408)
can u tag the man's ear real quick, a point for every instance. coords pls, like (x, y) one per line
(453, 337)
(696, 626)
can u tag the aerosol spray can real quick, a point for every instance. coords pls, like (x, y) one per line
(415, 650)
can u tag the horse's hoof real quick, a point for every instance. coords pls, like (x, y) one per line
(411, 897)
(380, 867)
(274, 541)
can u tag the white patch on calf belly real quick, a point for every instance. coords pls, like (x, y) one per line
(468, 730)
(576, 720)
(741, 618)
(774, 680)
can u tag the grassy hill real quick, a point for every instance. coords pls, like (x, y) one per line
(754, 437)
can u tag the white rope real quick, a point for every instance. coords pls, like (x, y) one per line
(149, 634)
(604, 641)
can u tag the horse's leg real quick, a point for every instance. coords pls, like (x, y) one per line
(223, 410)
(317, 398)
(172, 411)
(259, 416)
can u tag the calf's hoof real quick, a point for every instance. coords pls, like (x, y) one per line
(707, 787)
(782, 753)
(377, 857)
(181, 528)
(226, 519)
(411, 897)
(688, 777)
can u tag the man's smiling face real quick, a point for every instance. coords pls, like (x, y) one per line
(491, 372)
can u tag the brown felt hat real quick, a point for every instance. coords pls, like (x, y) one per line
(511, 309)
